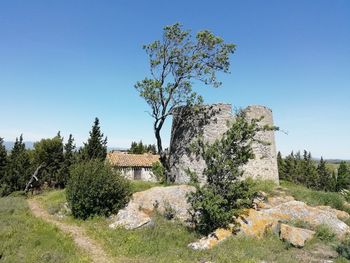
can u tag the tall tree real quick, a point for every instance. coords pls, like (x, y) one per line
(18, 170)
(50, 153)
(176, 62)
(3, 159)
(69, 158)
(343, 178)
(325, 176)
(281, 166)
(96, 146)
(310, 173)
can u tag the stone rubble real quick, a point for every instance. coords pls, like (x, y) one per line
(295, 236)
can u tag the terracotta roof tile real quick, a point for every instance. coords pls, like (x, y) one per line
(131, 160)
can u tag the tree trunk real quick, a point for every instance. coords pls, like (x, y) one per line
(33, 178)
(162, 154)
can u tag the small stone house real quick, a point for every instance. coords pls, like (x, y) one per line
(134, 166)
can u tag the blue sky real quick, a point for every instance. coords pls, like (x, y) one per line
(64, 62)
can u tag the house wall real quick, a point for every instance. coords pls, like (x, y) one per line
(146, 173)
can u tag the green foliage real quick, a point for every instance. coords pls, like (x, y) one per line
(344, 248)
(96, 189)
(3, 159)
(25, 238)
(50, 153)
(314, 197)
(169, 211)
(266, 186)
(324, 233)
(158, 171)
(176, 62)
(223, 195)
(18, 169)
(346, 194)
(140, 148)
(325, 177)
(96, 146)
(343, 179)
(303, 170)
(69, 159)
(139, 186)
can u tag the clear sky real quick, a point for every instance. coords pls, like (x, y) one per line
(62, 63)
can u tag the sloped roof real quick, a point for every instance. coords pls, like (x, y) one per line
(120, 159)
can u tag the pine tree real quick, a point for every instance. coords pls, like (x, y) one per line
(281, 166)
(18, 170)
(289, 168)
(3, 159)
(343, 178)
(50, 153)
(310, 172)
(151, 148)
(325, 177)
(96, 147)
(69, 159)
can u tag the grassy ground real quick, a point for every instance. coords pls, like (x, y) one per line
(314, 198)
(24, 238)
(167, 241)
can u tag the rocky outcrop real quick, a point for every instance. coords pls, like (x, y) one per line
(211, 240)
(295, 236)
(296, 210)
(273, 214)
(142, 206)
(256, 223)
(342, 215)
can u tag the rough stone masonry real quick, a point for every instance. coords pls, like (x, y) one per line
(212, 121)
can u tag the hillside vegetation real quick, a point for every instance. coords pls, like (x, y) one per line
(166, 241)
(25, 238)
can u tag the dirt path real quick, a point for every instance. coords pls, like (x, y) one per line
(90, 246)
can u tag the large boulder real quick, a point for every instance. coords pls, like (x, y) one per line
(143, 204)
(296, 210)
(256, 223)
(295, 236)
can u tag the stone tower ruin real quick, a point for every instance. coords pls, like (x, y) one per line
(212, 121)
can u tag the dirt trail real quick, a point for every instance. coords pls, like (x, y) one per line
(90, 246)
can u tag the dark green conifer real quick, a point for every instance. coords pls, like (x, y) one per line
(343, 178)
(69, 159)
(281, 166)
(18, 170)
(325, 177)
(96, 147)
(3, 159)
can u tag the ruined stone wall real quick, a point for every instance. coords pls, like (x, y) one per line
(212, 121)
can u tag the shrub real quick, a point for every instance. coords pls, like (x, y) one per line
(158, 171)
(344, 248)
(95, 189)
(223, 196)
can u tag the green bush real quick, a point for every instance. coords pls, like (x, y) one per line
(223, 196)
(95, 189)
(158, 171)
(344, 249)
